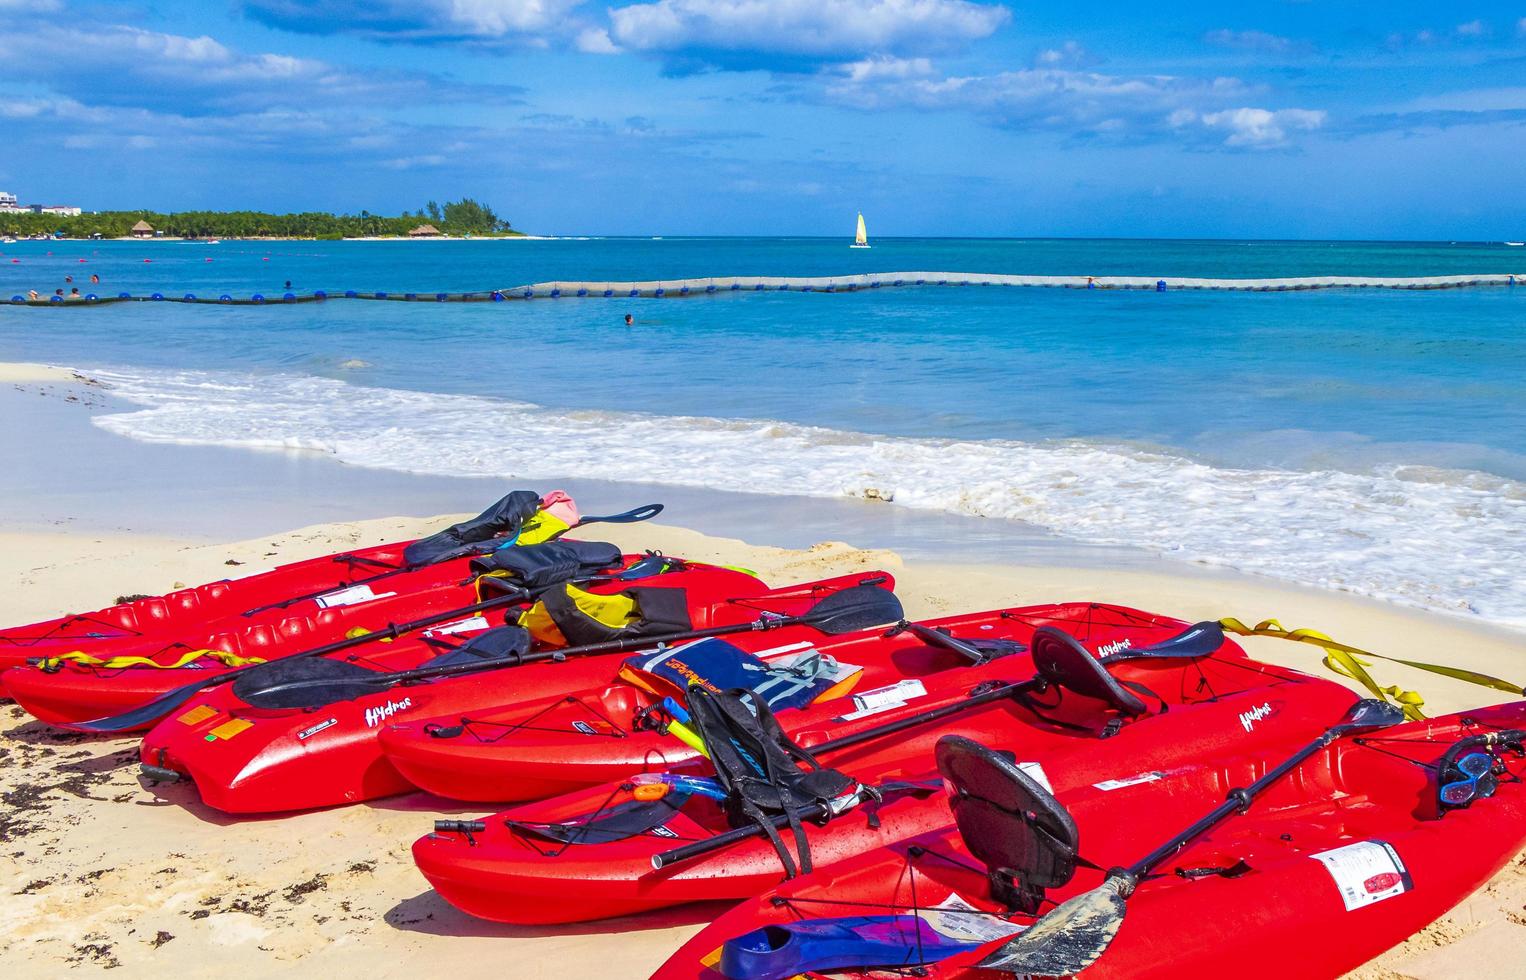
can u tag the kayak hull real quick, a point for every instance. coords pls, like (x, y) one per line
(1321, 895)
(248, 760)
(528, 750)
(505, 869)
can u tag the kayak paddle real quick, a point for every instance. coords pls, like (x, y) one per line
(849, 611)
(151, 712)
(1078, 931)
(643, 513)
(1196, 641)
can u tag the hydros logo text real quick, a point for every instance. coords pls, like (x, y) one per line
(1249, 718)
(1108, 649)
(375, 716)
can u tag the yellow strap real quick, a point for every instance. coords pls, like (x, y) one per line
(112, 663)
(1345, 660)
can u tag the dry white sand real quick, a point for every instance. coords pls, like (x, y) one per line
(100, 872)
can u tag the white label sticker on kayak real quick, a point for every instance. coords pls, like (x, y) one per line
(352, 596)
(460, 626)
(1366, 872)
(896, 694)
(1036, 771)
(1108, 785)
(962, 922)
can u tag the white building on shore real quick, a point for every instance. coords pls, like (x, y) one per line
(9, 204)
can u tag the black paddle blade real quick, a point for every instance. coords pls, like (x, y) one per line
(144, 715)
(1068, 939)
(851, 610)
(1197, 640)
(1367, 714)
(305, 683)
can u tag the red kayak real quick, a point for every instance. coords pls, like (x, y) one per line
(306, 602)
(246, 759)
(531, 749)
(610, 850)
(66, 691)
(1359, 847)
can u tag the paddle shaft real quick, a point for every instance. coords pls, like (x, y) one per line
(720, 842)
(974, 700)
(384, 681)
(1237, 801)
(643, 513)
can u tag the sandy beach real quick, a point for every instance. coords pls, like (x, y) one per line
(106, 873)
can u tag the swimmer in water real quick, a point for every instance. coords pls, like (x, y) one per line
(629, 320)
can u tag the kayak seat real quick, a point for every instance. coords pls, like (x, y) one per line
(1025, 836)
(1066, 664)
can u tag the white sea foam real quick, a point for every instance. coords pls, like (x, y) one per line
(1440, 539)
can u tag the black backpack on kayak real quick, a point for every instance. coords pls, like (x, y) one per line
(759, 768)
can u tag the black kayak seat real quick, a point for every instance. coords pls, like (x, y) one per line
(1025, 836)
(1062, 661)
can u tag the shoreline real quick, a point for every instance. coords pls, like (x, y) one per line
(199, 491)
(162, 885)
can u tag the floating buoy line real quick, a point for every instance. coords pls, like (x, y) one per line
(671, 288)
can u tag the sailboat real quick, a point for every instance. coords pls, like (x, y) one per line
(860, 240)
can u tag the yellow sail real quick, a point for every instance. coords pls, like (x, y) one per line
(861, 240)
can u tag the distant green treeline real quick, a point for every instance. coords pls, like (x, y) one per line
(463, 217)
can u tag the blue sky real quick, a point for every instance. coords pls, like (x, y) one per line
(935, 117)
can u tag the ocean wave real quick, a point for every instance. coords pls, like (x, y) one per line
(1424, 536)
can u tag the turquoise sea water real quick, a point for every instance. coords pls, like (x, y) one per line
(1368, 440)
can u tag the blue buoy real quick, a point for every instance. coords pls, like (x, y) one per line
(497, 296)
(659, 291)
(258, 298)
(157, 296)
(91, 297)
(684, 291)
(899, 282)
(124, 295)
(582, 292)
(710, 288)
(190, 297)
(1160, 285)
(735, 286)
(350, 294)
(921, 282)
(784, 287)
(555, 293)
(441, 297)
(289, 297)
(410, 296)
(807, 288)
(943, 282)
(381, 295)
(758, 288)
(635, 292)
(225, 298)
(18, 299)
(529, 294)
(320, 294)
(55, 299)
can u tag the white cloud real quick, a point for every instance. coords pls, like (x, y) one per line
(818, 28)
(596, 40)
(1520, 27)
(1068, 55)
(1078, 103)
(1261, 41)
(1473, 28)
(884, 66)
(121, 65)
(1251, 128)
(419, 20)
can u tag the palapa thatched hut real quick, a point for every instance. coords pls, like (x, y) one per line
(425, 231)
(142, 230)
